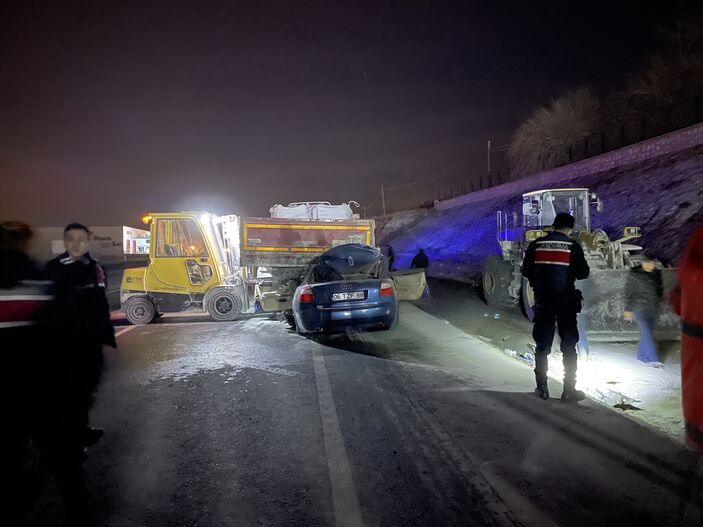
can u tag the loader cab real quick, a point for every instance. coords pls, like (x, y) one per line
(539, 208)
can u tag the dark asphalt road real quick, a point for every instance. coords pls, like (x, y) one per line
(246, 423)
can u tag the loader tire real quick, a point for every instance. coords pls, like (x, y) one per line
(497, 276)
(140, 310)
(223, 305)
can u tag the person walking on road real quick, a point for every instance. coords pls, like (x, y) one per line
(552, 264)
(687, 300)
(420, 261)
(643, 294)
(83, 323)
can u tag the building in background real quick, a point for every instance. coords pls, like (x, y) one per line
(107, 244)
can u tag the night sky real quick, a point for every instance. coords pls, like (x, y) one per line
(111, 109)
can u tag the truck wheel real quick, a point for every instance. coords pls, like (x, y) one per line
(497, 276)
(224, 305)
(140, 310)
(527, 300)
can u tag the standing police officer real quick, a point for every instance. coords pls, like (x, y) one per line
(83, 317)
(552, 264)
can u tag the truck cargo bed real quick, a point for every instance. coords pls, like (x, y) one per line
(281, 242)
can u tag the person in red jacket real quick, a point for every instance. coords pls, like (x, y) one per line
(688, 303)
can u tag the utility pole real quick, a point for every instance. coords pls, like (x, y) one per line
(383, 200)
(488, 156)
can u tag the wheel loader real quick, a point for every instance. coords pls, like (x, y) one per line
(610, 260)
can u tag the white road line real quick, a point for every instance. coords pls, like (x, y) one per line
(344, 500)
(113, 291)
(124, 330)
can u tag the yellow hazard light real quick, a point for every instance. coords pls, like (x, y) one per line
(632, 232)
(531, 236)
(146, 219)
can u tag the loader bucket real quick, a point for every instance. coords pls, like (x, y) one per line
(604, 303)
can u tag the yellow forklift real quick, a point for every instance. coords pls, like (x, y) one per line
(193, 264)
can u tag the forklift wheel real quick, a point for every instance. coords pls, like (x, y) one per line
(224, 305)
(140, 310)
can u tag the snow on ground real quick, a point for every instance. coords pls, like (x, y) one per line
(609, 374)
(612, 376)
(662, 194)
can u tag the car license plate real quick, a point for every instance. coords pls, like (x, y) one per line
(354, 295)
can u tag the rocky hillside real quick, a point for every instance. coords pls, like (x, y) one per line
(661, 192)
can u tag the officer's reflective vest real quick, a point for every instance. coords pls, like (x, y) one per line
(21, 304)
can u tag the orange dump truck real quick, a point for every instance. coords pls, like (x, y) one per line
(276, 252)
(284, 242)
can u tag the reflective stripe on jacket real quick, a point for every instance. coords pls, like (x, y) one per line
(21, 304)
(553, 263)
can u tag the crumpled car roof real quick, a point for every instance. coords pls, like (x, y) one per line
(351, 258)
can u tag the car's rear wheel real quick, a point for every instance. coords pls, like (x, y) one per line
(223, 305)
(140, 310)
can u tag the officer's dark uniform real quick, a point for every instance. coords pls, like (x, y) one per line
(21, 301)
(552, 264)
(82, 319)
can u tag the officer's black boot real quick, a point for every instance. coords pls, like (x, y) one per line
(570, 393)
(542, 389)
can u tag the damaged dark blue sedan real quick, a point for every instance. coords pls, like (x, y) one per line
(350, 286)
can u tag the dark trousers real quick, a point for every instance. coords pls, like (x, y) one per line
(90, 375)
(549, 318)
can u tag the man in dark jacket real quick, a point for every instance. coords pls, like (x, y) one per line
(643, 294)
(420, 261)
(552, 264)
(391, 258)
(83, 323)
(22, 299)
